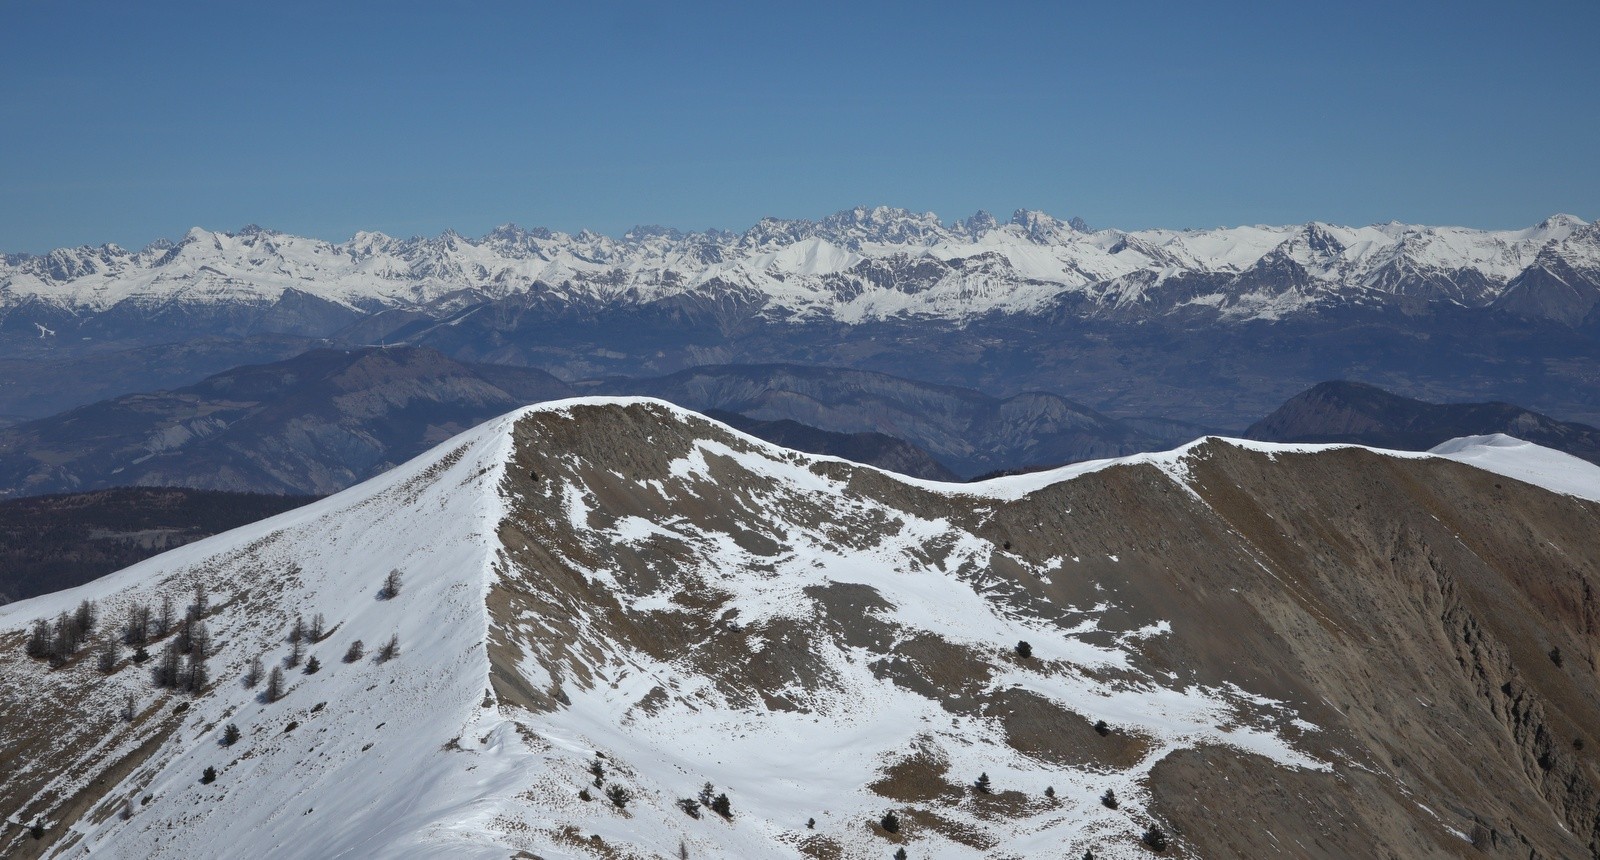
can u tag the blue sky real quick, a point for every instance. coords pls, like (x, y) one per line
(125, 122)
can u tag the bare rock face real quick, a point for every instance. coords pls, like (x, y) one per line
(1257, 651)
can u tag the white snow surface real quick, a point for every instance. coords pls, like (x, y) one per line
(401, 759)
(860, 264)
(1526, 462)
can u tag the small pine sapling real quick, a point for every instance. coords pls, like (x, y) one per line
(1024, 650)
(1109, 799)
(584, 795)
(313, 665)
(1050, 792)
(690, 806)
(618, 796)
(890, 822)
(391, 585)
(390, 649)
(1101, 728)
(230, 735)
(140, 655)
(900, 853)
(706, 793)
(1155, 839)
(982, 783)
(209, 776)
(683, 850)
(722, 806)
(355, 652)
(811, 824)
(1555, 656)
(598, 770)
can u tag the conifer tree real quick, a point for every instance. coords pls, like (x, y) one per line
(618, 795)
(252, 675)
(1109, 799)
(293, 659)
(274, 690)
(1155, 838)
(165, 619)
(391, 584)
(390, 649)
(169, 670)
(722, 806)
(86, 616)
(199, 639)
(230, 735)
(130, 708)
(313, 665)
(298, 631)
(106, 660)
(316, 632)
(982, 783)
(196, 677)
(890, 822)
(202, 601)
(355, 652)
(136, 631)
(1024, 650)
(900, 853)
(39, 640)
(209, 776)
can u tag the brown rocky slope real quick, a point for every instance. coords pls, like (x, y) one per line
(1338, 653)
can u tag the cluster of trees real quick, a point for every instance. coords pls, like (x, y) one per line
(60, 641)
(708, 798)
(1154, 837)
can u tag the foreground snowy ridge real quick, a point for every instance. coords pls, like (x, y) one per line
(535, 577)
(858, 265)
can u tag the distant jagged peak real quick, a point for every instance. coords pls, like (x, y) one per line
(980, 223)
(645, 232)
(1561, 221)
(1041, 227)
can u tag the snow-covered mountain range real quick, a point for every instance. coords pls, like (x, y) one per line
(606, 605)
(858, 265)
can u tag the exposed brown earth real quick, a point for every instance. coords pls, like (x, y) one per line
(1406, 613)
(1404, 607)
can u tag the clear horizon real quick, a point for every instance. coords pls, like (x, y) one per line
(411, 118)
(946, 221)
